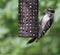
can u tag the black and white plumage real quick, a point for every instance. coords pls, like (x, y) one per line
(45, 24)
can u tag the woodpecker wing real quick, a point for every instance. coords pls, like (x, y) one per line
(47, 26)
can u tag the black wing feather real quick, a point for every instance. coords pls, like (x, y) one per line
(47, 26)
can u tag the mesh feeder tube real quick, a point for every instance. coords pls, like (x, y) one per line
(28, 18)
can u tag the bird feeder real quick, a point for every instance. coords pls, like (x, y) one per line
(28, 18)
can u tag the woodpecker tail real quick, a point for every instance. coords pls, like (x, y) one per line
(32, 40)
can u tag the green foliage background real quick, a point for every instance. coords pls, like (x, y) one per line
(11, 44)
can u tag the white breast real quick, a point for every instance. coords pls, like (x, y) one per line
(44, 20)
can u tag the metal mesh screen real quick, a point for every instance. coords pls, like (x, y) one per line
(28, 18)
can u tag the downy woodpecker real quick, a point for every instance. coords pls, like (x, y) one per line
(44, 24)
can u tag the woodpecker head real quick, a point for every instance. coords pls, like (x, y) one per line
(49, 11)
